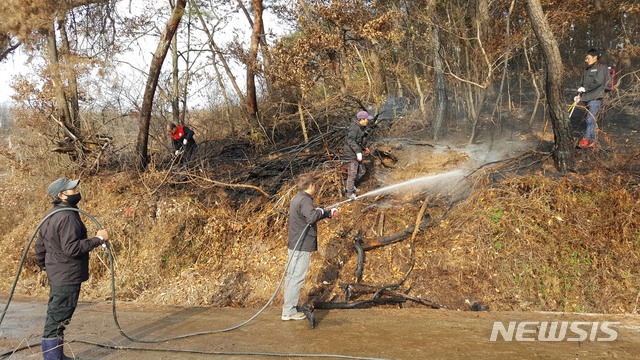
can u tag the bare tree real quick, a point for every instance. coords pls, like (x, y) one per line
(252, 65)
(152, 81)
(63, 113)
(70, 76)
(217, 54)
(441, 91)
(563, 150)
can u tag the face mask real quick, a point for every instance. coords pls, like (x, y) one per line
(74, 199)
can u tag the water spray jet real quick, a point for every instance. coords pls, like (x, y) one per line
(420, 183)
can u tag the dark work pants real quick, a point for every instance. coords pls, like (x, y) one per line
(62, 303)
(356, 171)
(190, 148)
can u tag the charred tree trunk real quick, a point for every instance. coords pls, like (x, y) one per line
(152, 82)
(563, 150)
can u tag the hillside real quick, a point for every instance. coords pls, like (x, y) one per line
(501, 227)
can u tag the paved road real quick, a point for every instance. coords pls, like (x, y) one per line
(415, 333)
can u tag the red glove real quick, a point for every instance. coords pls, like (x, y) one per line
(334, 212)
(366, 151)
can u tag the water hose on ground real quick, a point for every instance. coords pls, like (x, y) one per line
(154, 341)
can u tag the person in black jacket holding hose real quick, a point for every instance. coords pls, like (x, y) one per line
(354, 147)
(62, 250)
(302, 213)
(591, 94)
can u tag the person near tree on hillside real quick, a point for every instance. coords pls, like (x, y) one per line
(182, 139)
(62, 251)
(354, 148)
(302, 214)
(591, 94)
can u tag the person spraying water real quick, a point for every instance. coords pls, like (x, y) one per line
(302, 241)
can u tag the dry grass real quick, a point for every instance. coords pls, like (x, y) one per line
(541, 243)
(531, 241)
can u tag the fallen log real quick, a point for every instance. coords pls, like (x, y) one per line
(361, 304)
(380, 296)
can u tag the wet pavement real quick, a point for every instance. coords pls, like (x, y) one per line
(391, 333)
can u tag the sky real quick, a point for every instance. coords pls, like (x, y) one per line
(8, 69)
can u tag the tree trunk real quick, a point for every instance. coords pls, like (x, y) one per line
(215, 52)
(264, 47)
(64, 115)
(506, 65)
(563, 151)
(534, 82)
(175, 79)
(70, 75)
(483, 14)
(476, 102)
(481, 24)
(421, 97)
(186, 79)
(152, 82)
(252, 65)
(303, 126)
(378, 76)
(441, 92)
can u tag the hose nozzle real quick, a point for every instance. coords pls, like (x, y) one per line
(342, 202)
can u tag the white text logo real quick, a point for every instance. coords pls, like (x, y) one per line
(555, 331)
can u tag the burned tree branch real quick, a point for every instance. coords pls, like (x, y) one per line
(394, 238)
(223, 184)
(379, 296)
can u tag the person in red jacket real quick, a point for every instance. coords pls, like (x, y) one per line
(62, 250)
(182, 139)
